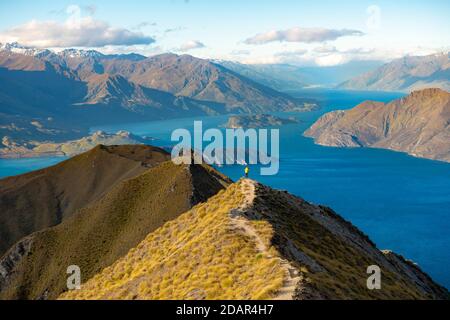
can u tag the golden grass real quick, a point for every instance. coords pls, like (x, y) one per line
(205, 254)
(199, 255)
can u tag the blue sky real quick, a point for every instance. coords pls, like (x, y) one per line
(258, 31)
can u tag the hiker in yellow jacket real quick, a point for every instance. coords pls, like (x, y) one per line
(246, 170)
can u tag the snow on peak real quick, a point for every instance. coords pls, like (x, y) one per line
(15, 47)
(76, 53)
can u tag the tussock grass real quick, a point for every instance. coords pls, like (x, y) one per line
(199, 255)
(209, 253)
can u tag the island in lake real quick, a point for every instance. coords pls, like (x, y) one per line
(257, 121)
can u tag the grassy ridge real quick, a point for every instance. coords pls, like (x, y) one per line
(237, 246)
(44, 198)
(199, 255)
(97, 235)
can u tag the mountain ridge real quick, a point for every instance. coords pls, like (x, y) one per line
(66, 187)
(69, 91)
(290, 78)
(105, 228)
(406, 74)
(418, 124)
(181, 75)
(263, 244)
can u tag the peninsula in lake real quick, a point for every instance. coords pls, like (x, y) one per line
(418, 124)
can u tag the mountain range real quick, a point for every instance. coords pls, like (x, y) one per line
(180, 75)
(405, 75)
(287, 77)
(418, 124)
(69, 91)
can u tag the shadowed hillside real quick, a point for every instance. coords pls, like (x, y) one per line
(43, 198)
(116, 91)
(203, 80)
(253, 242)
(97, 235)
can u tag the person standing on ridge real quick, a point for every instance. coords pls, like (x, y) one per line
(246, 170)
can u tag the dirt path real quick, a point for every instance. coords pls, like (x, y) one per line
(240, 222)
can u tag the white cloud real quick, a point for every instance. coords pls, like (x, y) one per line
(331, 60)
(190, 45)
(74, 32)
(325, 55)
(306, 35)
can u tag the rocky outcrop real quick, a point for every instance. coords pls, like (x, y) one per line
(11, 259)
(418, 124)
(412, 271)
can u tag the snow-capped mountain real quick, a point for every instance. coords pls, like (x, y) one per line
(80, 53)
(15, 47)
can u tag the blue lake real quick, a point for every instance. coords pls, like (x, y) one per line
(401, 202)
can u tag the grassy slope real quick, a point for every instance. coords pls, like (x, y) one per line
(96, 236)
(203, 255)
(343, 262)
(198, 255)
(43, 198)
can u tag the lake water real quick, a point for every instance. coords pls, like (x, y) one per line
(401, 202)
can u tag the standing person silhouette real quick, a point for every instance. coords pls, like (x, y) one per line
(246, 170)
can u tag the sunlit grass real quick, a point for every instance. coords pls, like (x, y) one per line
(197, 256)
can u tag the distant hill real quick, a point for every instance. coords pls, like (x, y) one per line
(278, 76)
(286, 77)
(101, 228)
(418, 124)
(115, 91)
(12, 149)
(44, 198)
(406, 74)
(252, 242)
(203, 80)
